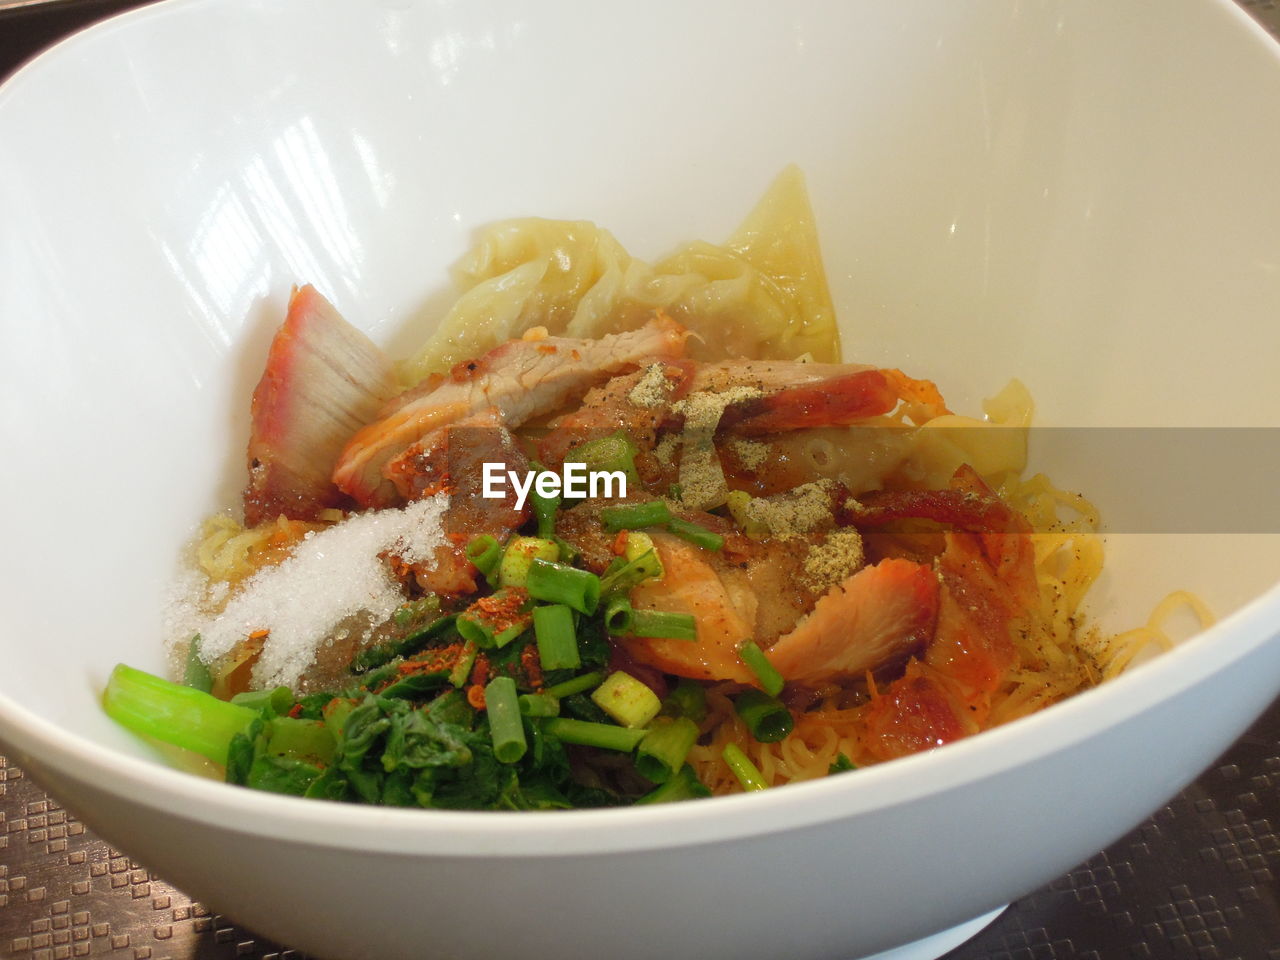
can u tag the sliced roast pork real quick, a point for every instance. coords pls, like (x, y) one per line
(521, 379)
(324, 380)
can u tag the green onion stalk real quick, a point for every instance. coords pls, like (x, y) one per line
(588, 734)
(767, 718)
(633, 516)
(173, 713)
(506, 727)
(662, 752)
(560, 583)
(556, 636)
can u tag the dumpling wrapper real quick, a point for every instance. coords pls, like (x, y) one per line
(764, 292)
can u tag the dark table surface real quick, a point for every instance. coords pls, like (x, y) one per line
(1195, 882)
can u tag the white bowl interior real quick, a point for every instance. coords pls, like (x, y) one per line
(1003, 189)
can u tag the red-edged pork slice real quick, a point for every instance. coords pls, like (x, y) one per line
(836, 401)
(521, 379)
(880, 614)
(324, 380)
(767, 376)
(637, 404)
(805, 395)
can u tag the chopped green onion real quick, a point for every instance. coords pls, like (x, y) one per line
(506, 728)
(461, 671)
(559, 583)
(696, 534)
(485, 552)
(481, 632)
(688, 699)
(557, 639)
(620, 579)
(575, 685)
(663, 750)
(479, 624)
(683, 786)
(631, 516)
(187, 718)
(619, 617)
(664, 625)
(538, 705)
(766, 717)
(614, 452)
(770, 679)
(743, 768)
(544, 508)
(588, 734)
(520, 552)
(626, 699)
(196, 673)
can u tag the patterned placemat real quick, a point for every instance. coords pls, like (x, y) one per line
(1197, 881)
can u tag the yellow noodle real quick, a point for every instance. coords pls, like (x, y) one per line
(1056, 657)
(227, 552)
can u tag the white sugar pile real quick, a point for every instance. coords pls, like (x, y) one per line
(331, 576)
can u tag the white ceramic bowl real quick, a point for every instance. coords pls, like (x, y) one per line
(1082, 194)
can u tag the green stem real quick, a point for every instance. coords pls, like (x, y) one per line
(683, 786)
(556, 636)
(743, 768)
(663, 750)
(696, 534)
(619, 581)
(486, 553)
(664, 625)
(633, 516)
(187, 718)
(559, 583)
(770, 679)
(505, 724)
(588, 734)
(575, 685)
(766, 717)
(538, 705)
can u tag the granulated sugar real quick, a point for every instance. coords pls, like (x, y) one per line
(331, 576)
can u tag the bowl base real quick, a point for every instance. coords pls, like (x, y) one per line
(934, 946)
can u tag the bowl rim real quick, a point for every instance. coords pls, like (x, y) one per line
(148, 783)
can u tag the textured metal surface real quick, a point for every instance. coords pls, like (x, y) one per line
(1195, 882)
